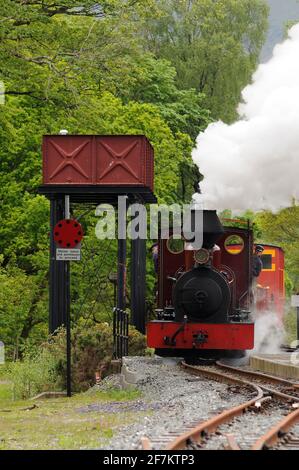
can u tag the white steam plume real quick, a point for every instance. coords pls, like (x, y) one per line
(254, 163)
(269, 334)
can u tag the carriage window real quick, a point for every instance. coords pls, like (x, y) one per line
(175, 245)
(234, 244)
(267, 261)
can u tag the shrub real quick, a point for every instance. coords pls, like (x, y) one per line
(137, 343)
(92, 350)
(290, 324)
(32, 375)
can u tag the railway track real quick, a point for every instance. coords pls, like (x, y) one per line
(263, 421)
(280, 432)
(279, 388)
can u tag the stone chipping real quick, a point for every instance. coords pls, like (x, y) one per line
(170, 400)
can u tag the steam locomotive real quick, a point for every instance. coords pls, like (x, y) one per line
(204, 295)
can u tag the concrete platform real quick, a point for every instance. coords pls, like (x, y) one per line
(284, 365)
(128, 378)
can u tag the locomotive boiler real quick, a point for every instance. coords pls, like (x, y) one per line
(204, 294)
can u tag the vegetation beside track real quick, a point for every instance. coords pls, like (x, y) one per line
(61, 423)
(130, 69)
(43, 368)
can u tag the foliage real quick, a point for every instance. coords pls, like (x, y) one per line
(92, 351)
(290, 325)
(45, 45)
(214, 46)
(60, 423)
(43, 367)
(34, 374)
(22, 306)
(94, 68)
(182, 109)
(137, 343)
(282, 229)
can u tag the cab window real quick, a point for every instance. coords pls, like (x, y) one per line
(267, 261)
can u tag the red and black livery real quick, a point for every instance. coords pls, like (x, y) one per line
(204, 295)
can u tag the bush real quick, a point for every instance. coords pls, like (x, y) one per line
(137, 343)
(290, 324)
(32, 375)
(92, 351)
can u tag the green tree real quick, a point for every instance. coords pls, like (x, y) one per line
(155, 82)
(76, 66)
(214, 46)
(22, 307)
(25, 215)
(50, 51)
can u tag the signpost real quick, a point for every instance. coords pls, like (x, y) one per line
(65, 254)
(67, 235)
(295, 303)
(68, 300)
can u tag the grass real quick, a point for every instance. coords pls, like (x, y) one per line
(290, 324)
(5, 392)
(58, 423)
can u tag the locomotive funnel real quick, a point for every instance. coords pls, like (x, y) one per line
(211, 226)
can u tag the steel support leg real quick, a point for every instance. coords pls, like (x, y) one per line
(121, 274)
(59, 278)
(138, 283)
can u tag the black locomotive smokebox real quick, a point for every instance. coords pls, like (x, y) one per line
(208, 222)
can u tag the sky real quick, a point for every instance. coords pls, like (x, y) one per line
(281, 11)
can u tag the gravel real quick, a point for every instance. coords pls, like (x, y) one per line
(174, 399)
(118, 406)
(291, 440)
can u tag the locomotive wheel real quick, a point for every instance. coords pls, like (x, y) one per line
(203, 357)
(200, 361)
(235, 358)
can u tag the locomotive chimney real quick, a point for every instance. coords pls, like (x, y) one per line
(211, 227)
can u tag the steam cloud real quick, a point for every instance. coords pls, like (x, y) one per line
(269, 334)
(254, 163)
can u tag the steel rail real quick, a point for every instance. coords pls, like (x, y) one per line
(146, 443)
(280, 395)
(273, 435)
(214, 375)
(260, 376)
(209, 426)
(232, 379)
(196, 433)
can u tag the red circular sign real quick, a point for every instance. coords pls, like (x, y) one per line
(68, 233)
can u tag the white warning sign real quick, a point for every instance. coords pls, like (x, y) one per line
(68, 254)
